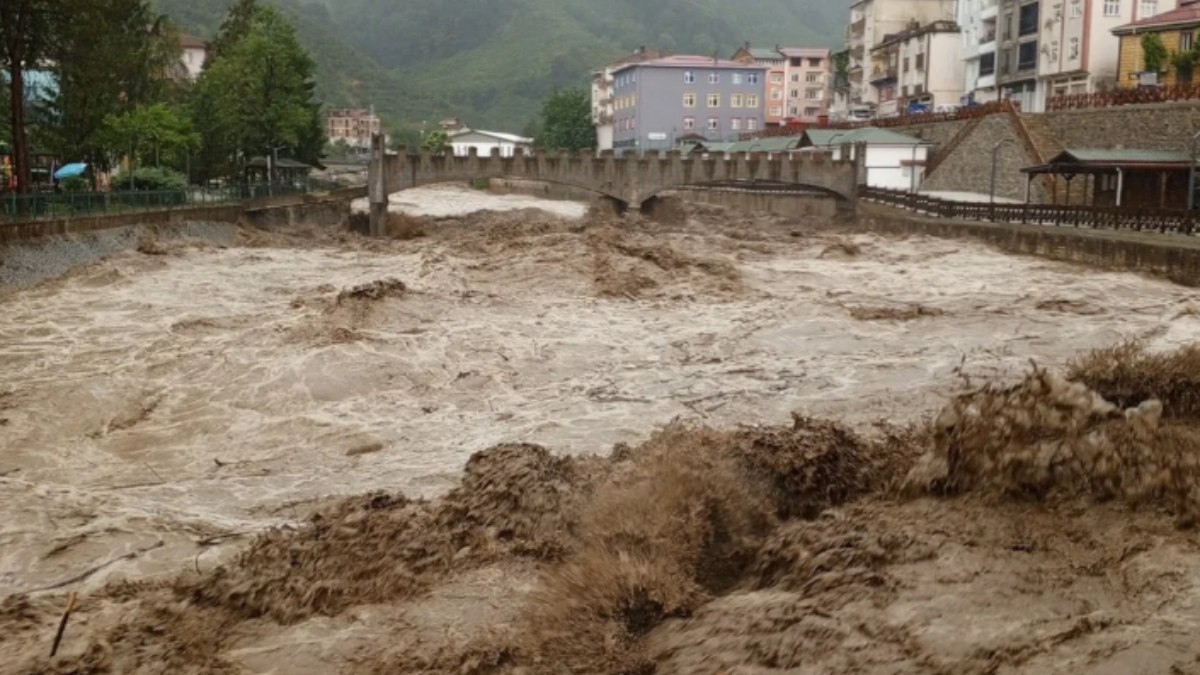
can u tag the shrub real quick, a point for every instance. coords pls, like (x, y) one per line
(150, 178)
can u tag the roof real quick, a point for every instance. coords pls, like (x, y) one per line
(773, 144)
(1112, 158)
(638, 56)
(765, 53)
(868, 135)
(935, 27)
(691, 61)
(804, 52)
(192, 42)
(498, 135)
(1188, 13)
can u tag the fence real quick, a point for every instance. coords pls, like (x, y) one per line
(960, 114)
(1119, 97)
(1098, 217)
(41, 205)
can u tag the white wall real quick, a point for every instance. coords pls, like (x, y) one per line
(945, 69)
(484, 148)
(884, 165)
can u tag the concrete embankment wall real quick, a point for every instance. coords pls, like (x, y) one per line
(1170, 256)
(797, 205)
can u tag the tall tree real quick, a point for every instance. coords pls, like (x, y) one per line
(113, 56)
(237, 25)
(567, 121)
(257, 95)
(26, 35)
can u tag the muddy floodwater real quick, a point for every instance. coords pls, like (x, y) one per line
(160, 408)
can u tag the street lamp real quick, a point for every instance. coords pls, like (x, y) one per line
(995, 157)
(1195, 148)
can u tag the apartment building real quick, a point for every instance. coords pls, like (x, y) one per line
(1177, 26)
(602, 94)
(977, 22)
(807, 75)
(920, 65)
(774, 108)
(870, 22)
(352, 126)
(659, 101)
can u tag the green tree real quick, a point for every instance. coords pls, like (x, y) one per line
(841, 70)
(437, 140)
(256, 96)
(1154, 53)
(237, 24)
(567, 121)
(27, 32)
(113, 56)
(149, 134)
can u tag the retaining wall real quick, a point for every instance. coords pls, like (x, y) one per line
(1174, 257)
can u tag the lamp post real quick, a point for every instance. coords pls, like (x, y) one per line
(995, 157)
(1195, 148)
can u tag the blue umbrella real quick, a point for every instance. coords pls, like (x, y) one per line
(70, 171)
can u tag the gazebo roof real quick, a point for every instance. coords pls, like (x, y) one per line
(1103, 160)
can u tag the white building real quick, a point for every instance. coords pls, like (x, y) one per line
(1079, 53)
(195, 52)
(483, 142)
(603, 103)
(872, 21)
(893, 160)
(977, 25)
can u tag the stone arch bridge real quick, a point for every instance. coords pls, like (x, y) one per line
(630, 180)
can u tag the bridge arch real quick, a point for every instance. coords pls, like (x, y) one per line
(630, 180)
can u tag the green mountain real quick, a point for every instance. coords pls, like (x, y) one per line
(492, 62)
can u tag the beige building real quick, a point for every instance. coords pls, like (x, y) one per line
(352, 126)
(807, 78)
(195, 53)
(871, 21)
(920, 65)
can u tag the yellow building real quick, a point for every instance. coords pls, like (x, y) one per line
(1177, 28)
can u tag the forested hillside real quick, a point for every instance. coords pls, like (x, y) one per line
(493, 61)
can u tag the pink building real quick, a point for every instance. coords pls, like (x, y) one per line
(807, 78)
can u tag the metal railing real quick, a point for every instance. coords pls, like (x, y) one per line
(1097, 217)
(49, 205)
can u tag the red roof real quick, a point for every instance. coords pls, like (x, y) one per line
(1188, 13)
(692, 61)
(804, 52)
(192, 42)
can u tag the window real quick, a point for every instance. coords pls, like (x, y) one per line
(751, 124)
(1008, 26)
(714, 78)
(812, 112)
(633, 101)
(1029, 18)
(776, 111)
(776, 78)
(736, 78)
(794, 111)
(689, 123)
(714, 100)
(776, 94)
(1076, 9)
(795, 77)
(1073, 49)
(752, 78)
(905, 65)
(812, 94)
(714, 124)
(987, 64)
(920, 62)
(735, 124)
(814, 63)
(1027, 56)
(1185, 41)
(1112, 7)
(1149, 8)
(812, 77)
(736, 101)
(752, 101)
(795, 93)
(689, 77)
(689, 100)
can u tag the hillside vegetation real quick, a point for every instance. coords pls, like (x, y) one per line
(492, 62)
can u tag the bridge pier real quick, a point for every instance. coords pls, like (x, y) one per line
(377, 187)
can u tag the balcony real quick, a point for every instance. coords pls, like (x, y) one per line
(857, 28)
(880, 73)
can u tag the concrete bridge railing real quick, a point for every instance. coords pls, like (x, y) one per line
(630, 180)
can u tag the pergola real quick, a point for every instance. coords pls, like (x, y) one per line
(1119, 177)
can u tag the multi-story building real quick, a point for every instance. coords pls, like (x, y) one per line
(351, 126)
(920, 65)
(774, 107)
(1017, 53)
(602, 94)
(1177, 26)
(807, 73)
(656, 102)
(870, 22)
(977, 21)
(195, 53)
